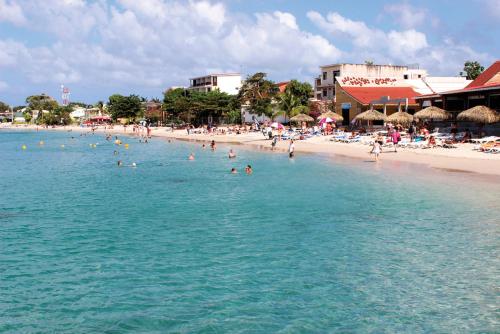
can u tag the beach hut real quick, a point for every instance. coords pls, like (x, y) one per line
(432, 113)
(400, 117)
(479, 114)
(302, 118)
(334, 116)
(371, 115)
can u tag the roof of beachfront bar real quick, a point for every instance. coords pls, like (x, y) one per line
(365, 95)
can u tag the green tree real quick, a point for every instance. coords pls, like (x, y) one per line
(303, 91)
(120, 106)
(41, 102)
(4, 107)
(287, 102)
(258, 93)
(473, 69)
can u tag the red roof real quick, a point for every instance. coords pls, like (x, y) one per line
(484, 77)
(282, 85)
(365, 95)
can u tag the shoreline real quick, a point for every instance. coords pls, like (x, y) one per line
(460, 160)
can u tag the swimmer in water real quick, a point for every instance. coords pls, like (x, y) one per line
(134, 165)
(115, 153)
(119, 163)
(203, 146)
(232, 154)
(248, 170)
(234, 171)
(191, 156)
(212, 145)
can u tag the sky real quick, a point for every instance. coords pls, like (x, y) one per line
(98, 48)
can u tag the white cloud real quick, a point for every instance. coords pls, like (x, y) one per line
(493, 7)
(402, 44)
(161, 42)
(397, 47)
(11, 12)
(408, 16)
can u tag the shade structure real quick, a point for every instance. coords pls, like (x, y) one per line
(333, 115)
(371, 115)
(400, 117)
(302, 118)
(479, 114)
(432, 112)
(325, 120)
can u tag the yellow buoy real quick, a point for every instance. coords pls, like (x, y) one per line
(94, 146)
(62, 146)
(24, 147)
(126, 146)
(41, 142)
(90, 145)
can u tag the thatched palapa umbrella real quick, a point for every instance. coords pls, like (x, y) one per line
(333, 115)
(302, 118)
(432, 113)
(400, 117)
(371, 115)
(479, 114)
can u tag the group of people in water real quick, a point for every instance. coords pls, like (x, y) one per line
(231, 155)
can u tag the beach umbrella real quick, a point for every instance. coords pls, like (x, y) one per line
(479, 114)
(301, 118)
(400, 117)
(325, 120)
(332, 115)
(432, 112)
(371, 115)
(277, 125)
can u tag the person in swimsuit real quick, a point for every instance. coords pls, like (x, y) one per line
(376, 150)
(231, 154)
(234, 171)
(191, 156)
(291, 149)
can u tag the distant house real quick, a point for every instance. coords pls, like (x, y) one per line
(229, 83)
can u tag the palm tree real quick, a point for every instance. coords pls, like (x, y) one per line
(100, 106)
(287, 103)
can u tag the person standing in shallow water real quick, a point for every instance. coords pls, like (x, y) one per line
(212, 145)
(291, 149)
(376, 150)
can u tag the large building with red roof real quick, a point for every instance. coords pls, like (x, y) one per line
(354, 88)
(484, 90)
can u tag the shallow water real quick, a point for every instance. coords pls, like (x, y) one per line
(314, 244)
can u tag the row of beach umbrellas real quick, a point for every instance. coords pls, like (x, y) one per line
(477, 114)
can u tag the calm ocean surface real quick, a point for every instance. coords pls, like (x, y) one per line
(310, 245)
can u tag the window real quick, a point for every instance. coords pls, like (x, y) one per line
(405, 76)
(324, 92)
(336, 74)
(419, 76)
(214, 81)
(324, 75)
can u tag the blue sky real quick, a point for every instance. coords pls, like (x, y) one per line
(98, 47)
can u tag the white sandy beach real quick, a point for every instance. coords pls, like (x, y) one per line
(461, 159)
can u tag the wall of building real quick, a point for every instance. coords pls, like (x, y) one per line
(229, 84)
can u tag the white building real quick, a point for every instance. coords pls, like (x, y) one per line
(229, 83)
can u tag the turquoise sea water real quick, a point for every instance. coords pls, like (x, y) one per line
(310, 245)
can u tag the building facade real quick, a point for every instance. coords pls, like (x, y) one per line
(484, 90)
(353, 88)
(229, 83)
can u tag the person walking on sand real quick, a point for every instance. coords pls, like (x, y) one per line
(396, 138)
(291, 149)
(375, 150)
